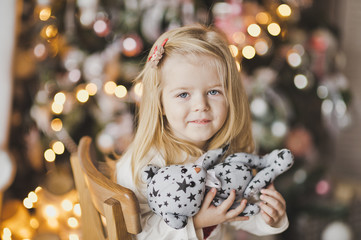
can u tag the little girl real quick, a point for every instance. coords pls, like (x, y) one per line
(193, 101)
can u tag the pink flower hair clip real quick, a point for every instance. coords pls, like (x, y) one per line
(157, 54)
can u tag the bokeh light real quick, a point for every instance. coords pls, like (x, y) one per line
(300, 81)
(284, 10)
(82, 95)
(248, 52)
(56, 124)
(274, 29)
(120, 91)
(49, 155)
(45, 13)
(263, 18)
(58, 147)
(254, 30)
(109, 87)
(234, 50)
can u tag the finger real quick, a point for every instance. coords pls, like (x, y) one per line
(275, 203)
(226, 204)
(235, 212)
(268, 219)
(274, 194)
(207, 201)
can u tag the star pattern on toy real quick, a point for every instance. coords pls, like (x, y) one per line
(191, 197)
(182, 186)
(150, 173)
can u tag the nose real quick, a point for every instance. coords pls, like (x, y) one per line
(201, 104)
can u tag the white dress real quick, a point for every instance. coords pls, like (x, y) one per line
(153, 226)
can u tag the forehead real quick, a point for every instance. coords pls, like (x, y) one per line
(182, 69)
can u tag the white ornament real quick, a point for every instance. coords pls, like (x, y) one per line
(337, 231)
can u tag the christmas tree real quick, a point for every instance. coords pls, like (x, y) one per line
(75, 65)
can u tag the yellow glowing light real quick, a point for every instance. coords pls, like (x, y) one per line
(51, 211)
(294, 59)
(120, 91)
(51, 31)
(82, 95)
(109, 87)
(57, 108)
(56, 124)
(73, 236)
(239, 37)
(263, 18)
(49, 155)
(234, 50)
(67, 205)
(91, 88)
(34, 223)
(254, 30)
(238, 66)
(284, 10)
(53, 223)
(38, 189)
(33, 197)
(45, 13)
(24, 233)
(261, 46)
(6, 233)
(248, 52)
(77, 210)
(73, 222)
(39, 50)
(59, 98)
(58, 147)
(138, 89)
(274, 29)
(28, 203)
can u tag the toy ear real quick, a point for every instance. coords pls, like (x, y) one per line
(148, 172)
(212, 157)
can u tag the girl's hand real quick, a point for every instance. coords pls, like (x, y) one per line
(210, 215)
(273, 207)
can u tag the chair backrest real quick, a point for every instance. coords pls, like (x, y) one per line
(99, 196)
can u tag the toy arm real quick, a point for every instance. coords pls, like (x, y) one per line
(251, 160)
(277, 163)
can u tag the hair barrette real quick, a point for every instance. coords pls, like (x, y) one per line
(157, 54)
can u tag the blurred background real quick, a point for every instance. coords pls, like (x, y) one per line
(67, 68)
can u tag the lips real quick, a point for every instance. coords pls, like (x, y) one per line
(201, 121)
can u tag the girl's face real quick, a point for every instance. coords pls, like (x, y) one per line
(193, 99)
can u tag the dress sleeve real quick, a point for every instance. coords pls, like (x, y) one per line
(257, 226)
(153, 226)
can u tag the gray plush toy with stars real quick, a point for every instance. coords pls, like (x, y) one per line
(176, 192)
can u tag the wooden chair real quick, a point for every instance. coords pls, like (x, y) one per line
(99, 196)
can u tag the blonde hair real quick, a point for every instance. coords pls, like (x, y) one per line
(153, 132)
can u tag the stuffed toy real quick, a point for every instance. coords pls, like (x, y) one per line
(176, 192)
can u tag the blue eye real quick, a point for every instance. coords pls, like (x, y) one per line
(183, 95)
(213, 92)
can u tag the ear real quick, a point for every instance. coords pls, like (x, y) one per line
(212, 157)
(149, 172)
